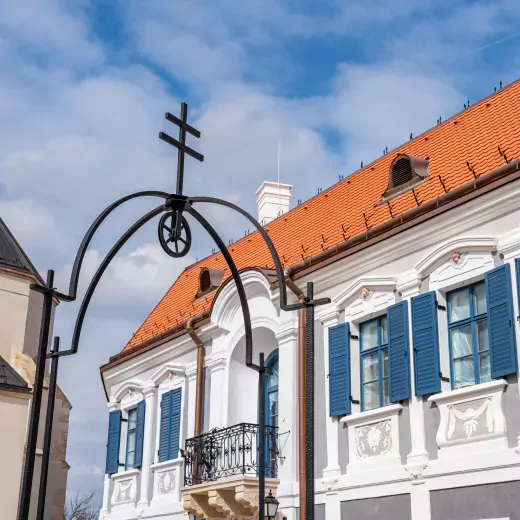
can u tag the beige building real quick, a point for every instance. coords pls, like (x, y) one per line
(20, 312)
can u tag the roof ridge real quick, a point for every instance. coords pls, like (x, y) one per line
(21, 260)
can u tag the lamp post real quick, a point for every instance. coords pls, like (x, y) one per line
(175, 238)
(271, 506)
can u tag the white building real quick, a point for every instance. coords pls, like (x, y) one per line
(20, 314)
(417, 399)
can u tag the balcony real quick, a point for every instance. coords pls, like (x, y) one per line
(221, 471)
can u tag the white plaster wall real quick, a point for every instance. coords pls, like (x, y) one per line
(13, 418)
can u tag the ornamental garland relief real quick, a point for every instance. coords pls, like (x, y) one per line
(373, 439)
(124, 490)
(470, 419)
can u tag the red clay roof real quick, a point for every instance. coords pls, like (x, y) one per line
(338, 213)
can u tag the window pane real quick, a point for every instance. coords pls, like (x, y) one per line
(369, 335)
(130, 459)
(463, 373)
(461, 341)
(132, 419)
(482, 335)
(273, 380)
(479, 293)
(371, 396)
(131, 442)
(384, 331)
(386, 392)
(459, 305)
(384, 353)
(370, 367)
(485, 368)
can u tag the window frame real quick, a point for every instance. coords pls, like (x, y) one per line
(379, 349)
(472, 320)
(130, 431)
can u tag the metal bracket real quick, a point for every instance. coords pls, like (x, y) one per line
(441, 307)
(445, 379)
(353, 401)
(352, 336)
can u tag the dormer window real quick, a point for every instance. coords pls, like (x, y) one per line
(405, 172)
(209, 280)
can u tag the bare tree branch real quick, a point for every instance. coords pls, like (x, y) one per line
(81, 508)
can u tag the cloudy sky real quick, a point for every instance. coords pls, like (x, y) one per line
(84, 87)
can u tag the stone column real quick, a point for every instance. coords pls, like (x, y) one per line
(417, 460)
(288, 414)
(217, 364)
(107, 487)
(149, 393)
(333, 470)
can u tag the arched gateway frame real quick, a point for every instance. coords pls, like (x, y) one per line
(175, 238)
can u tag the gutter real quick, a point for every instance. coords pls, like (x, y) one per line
(199, 399)
(425, 211)
(302, 405)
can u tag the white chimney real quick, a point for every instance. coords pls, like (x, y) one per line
(273, 200)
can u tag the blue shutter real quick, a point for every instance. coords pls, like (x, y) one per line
(175, 429)
(114, 438)
(426, 344)
(164, 433)
(139, 434)
(339, 370)
(500, 321)
(398, 359)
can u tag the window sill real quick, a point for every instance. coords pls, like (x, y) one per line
(469, 391)
(167, 464)
(128, 473)
(372, 415)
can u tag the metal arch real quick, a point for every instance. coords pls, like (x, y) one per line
(236, 277)
(99, 273)
(272, 250)
(80, 255)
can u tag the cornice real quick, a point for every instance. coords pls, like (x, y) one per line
(329, 318)
(167, 370)
(354, 290)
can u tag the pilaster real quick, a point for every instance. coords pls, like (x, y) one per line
(217, 364)
(149, 394)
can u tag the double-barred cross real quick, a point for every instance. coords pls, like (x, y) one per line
(181, 143)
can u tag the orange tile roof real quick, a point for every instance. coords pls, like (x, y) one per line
(473, 135)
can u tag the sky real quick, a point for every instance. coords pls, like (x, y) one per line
(83, 92)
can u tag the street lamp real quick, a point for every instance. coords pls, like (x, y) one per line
(175, 239)
(271, 506)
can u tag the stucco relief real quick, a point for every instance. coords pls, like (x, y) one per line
(123, 491)
(470, 419)
(166, 482)
(374, 439)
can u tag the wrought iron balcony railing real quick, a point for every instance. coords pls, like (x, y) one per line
(229, 451)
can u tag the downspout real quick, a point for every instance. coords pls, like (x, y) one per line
(302, 408)
(199, 396)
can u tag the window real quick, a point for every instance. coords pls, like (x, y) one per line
(406, 171)
(131, 439)
(468, 336)
(374, 364)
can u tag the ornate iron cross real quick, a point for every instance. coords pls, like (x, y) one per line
(181, 143)
(174, 231)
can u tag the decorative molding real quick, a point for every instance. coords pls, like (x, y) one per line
(353, 291)
(287, 334)
(416, 472)
(168, 370)
(330, 484)
(126, 388)
(471, 415)
(408, 284)
(149, 389)
(112, 405)
(372, 415)
(441, 252)
(509, 244)
(329, 318)
(216, 360)
(125, 487)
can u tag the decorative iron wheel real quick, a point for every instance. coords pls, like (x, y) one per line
(174, 244)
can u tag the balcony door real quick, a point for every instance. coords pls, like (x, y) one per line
(271, 407)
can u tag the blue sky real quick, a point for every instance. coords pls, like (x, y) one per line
(85, 85)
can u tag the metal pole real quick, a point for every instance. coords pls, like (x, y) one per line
(309, 397)
(32, 434)
(47, 441)
(261, 450)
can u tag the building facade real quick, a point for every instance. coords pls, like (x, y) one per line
(20, 311)
(416, 364)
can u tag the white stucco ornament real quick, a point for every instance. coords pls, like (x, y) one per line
(456, 256)
(365, 293)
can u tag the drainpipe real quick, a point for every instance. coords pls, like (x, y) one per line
(201, 354)
(302, 408)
